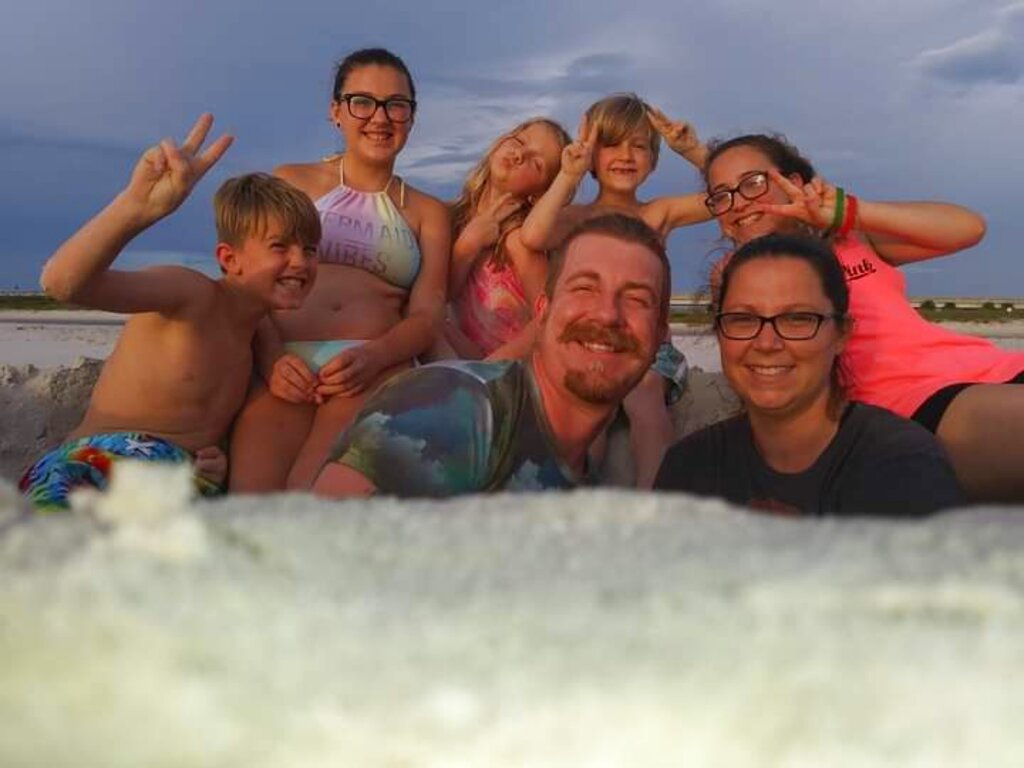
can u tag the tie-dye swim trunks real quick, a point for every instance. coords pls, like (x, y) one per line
(87, 461)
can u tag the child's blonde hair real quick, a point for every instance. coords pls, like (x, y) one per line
(244, 206)
(615, 117)
(464, 207)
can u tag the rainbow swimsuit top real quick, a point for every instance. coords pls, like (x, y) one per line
(367, 231)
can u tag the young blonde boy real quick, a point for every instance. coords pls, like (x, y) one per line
(180, 369)
(618, 144)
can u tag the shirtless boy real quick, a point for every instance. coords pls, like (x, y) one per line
(180, 369)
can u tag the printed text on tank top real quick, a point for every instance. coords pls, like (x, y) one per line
(366, 230)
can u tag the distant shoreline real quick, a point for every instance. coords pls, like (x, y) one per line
(982, 321)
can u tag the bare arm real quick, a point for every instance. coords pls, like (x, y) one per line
(544, 223)
(680, 136)
(543, 227)
(340, 481)
(416, 332)
(479, 234)
(532, 268)
(355, 369)
(684, 210)
(520, 345)
(901, 233)
(80, 271)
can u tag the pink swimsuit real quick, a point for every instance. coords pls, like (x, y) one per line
(895, 358)
(492, 307)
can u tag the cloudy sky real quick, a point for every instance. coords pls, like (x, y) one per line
(915, 99)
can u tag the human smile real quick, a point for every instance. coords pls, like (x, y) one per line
(597, 340)
(378, 136)
(769, 371)
(293, 283)
(748, 219)
(595, 346)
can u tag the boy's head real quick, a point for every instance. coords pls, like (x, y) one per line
(245, 206)
(620, 122)
(268, 232)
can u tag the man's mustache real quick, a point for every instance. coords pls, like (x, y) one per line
(595, 333)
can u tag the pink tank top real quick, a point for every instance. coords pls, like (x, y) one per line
(492, 307)
(896, 359)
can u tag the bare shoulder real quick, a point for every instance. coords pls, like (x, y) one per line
(202, 292)
(315, 179)
(424, 208)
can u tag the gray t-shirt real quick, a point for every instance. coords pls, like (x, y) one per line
(877, 464)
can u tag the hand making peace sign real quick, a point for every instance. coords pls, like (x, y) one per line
(166, 173)
(680, 136)
(578, 156)
(813, 203)
(484, 228)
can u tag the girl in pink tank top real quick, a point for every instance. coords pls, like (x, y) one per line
(493, 278)
(959, 386)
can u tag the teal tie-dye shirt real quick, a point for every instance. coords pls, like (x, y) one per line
(452, 428)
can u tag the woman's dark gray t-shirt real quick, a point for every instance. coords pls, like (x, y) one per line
(877, 464)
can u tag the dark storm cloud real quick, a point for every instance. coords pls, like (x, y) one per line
(85, 86)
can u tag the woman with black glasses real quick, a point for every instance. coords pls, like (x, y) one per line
(801, 447)
(379, 296)
(962, 388)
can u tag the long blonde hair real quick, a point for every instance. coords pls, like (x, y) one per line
(464, 207)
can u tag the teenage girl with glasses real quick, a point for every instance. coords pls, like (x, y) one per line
(379, 296)
(961, 387)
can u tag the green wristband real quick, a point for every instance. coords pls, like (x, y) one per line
(840, 210)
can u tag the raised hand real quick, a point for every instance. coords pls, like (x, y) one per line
(482, 231)
(813, 203)
(166, 173)
(291, 380)
(680, 136)
(578, 156)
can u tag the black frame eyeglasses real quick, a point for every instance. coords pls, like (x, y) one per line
(791, 326)
(751, 186)
(363, 106)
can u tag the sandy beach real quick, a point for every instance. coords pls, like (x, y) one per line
(50, 359)
(601, 627)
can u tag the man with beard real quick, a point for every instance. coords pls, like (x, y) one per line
(463, 427)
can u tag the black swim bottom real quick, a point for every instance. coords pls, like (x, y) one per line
(931, 411)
